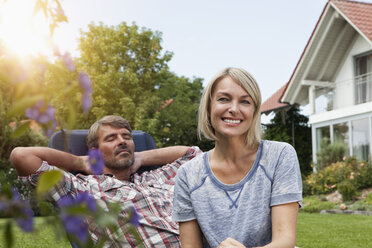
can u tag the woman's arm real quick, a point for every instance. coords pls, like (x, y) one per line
(283, 220)
(190, 234)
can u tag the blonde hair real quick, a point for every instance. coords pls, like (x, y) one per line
(247, 82)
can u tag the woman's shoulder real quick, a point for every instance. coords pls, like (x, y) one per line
(194, 168)
(273, 145)
(271, 148)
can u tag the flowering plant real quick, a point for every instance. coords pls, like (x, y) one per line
(74, 215)
(34, 87)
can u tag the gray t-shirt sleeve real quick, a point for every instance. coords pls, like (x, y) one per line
(182, 206)
(287, 183)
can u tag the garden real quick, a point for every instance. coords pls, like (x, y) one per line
(40, 95)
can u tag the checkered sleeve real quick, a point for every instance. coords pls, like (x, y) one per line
(69, 184)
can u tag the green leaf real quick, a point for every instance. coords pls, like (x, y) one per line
(47, 181)
(71, 117)
(22, 104)
(20, 130)
(8, 234)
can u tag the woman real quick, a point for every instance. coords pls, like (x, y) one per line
(245, 192)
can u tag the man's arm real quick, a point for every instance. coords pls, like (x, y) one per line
(27, 160)
(160, 156)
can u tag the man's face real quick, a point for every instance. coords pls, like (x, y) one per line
(117, 147)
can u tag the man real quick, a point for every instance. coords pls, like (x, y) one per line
(151, 192)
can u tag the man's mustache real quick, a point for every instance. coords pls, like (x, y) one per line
(121, 148)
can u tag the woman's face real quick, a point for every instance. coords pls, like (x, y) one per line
(231, 109)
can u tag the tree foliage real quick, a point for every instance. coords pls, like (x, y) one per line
(130, 77)
(292, 127)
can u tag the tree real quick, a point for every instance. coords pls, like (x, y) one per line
(292, 127)
(125, 64)
(130, 77)
(175, 122)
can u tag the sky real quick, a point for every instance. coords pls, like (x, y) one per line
(266, 38)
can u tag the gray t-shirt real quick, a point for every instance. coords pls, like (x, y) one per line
(242, 210)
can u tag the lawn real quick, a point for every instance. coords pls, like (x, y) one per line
(313, 231)
(44, 237)
(334, 230)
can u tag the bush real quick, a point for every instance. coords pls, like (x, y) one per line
(347, 190)
(330, 153)
(369, 199)
(314, 204)
(363, 175)
(325, 181)
(347, 176)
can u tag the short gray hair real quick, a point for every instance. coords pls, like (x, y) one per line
(111, 120)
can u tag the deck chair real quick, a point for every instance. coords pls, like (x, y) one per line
(75, 142)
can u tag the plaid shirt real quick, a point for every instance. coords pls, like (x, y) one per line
(151, 193)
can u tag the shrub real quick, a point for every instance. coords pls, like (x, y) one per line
(314, 204)
(347, 176)
(346, 189)
(324, 181)
(330, 153)
(363, 175)
(369, 199)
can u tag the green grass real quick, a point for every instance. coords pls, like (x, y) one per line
(334, 230)
(43, 237)
(313, 231)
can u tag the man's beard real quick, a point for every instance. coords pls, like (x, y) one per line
(124, 163)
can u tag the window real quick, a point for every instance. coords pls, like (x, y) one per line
(360, 134)
(324, 100)
(322, 135)
(341, 135)
(363, 79)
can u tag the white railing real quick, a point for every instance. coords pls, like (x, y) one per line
(360, 85)
(363, 88)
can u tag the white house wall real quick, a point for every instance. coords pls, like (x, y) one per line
(344, 91)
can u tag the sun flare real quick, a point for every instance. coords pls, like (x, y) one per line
(22, 32)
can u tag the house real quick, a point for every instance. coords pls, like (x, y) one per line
(333, 77)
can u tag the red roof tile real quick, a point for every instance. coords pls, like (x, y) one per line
(359, 13)
(272, 103)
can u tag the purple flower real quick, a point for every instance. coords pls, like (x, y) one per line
(3, 206)
(84, 82)
(95, 160)
(40, 113)
(86, 198)
(67, 61)
(51, 127)
(86, 85)
(83, 198)
(86, 101)
(43, 115)
(134, 217)
(25, 214)
(26, 221)
(73, 223)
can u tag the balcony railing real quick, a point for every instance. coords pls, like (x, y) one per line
(363, 88)
(360, 85)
